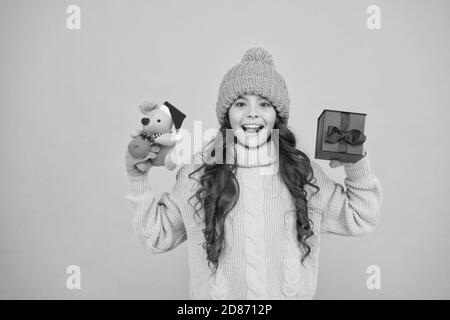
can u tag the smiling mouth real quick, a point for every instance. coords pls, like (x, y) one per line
(252, 128)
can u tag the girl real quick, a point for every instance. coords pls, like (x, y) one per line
(253, 207)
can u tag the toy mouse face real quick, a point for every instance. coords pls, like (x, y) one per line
(156, 120)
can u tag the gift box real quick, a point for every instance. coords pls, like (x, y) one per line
(340, 136)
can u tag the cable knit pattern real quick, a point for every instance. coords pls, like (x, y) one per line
(292, 278)
(255, 246)
(262, 258)
(218, 285)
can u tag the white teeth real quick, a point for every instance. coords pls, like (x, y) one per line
(252, 127)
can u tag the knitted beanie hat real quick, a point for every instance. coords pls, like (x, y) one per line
(255, 74)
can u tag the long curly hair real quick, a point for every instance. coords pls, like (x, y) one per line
(218, 190)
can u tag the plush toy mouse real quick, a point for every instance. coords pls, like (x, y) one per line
(157, 129)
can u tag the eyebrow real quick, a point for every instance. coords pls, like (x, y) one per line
(259, 98)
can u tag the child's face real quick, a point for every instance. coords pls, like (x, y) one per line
(252, 118)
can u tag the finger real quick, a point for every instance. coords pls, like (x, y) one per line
(144, 166)
(334, 163)
(150, 156)
(155, 148)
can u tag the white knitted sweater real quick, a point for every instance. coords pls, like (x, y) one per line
(262, 256)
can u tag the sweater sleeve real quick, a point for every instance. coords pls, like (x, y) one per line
(158, 224)
(353, 211)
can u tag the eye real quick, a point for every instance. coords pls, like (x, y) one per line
(159, 120)
(240, 104)
(266, 104)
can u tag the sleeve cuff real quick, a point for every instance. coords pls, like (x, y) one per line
(139, 184)
(359, 169)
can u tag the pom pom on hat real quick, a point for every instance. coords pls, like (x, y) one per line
(257, 54)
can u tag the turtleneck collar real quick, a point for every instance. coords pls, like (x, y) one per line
(263, 155)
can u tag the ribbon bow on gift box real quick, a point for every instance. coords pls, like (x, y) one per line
(353, 137)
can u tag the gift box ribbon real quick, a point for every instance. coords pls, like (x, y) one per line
(343, 136)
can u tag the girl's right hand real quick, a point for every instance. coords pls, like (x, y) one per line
(137, 167)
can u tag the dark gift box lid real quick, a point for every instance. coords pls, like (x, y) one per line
(340, 111)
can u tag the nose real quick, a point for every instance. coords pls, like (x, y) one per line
(145, 121)
(253, 112)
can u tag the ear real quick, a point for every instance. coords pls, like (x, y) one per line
(147, 106)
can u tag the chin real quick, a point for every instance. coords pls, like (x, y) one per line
(251, 140)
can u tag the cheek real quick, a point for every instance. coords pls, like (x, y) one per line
(270, 117)
(235, 117)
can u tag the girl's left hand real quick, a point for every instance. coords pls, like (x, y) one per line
(337, 163)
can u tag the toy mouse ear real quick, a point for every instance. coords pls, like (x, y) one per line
(177, 115)
(147, 106)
